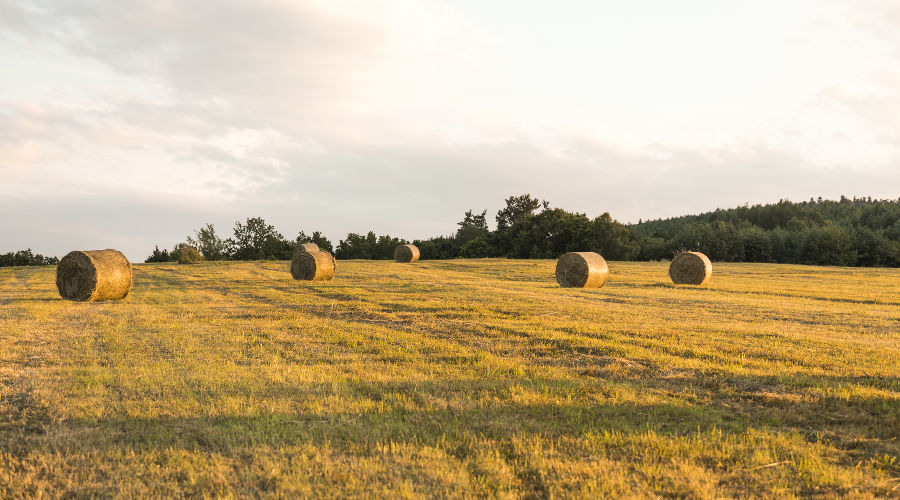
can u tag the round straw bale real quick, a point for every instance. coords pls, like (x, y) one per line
(406, 253)
(306, 248)
(690, 268)
(94, 275)
(313, 266)
(581, 270)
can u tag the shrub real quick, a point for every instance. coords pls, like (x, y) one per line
(187, 254)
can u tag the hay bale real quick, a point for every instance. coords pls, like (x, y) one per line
(305, 248)
(581, 270)
(690, 268)
(94, 275)
(406, 253)
(313, 266)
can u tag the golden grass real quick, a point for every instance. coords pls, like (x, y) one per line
(453, 379)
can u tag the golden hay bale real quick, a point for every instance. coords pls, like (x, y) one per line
(406, 253)
(94, 275)
(313, 266)
(581, 270)
(690, 268)
(305, 248)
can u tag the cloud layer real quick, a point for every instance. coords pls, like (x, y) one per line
(130, 125)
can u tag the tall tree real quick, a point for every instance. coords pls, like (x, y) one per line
(516, 209)
(256, 240)
(208, 242)
(472, 226)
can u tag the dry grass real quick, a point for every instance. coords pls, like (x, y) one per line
(453, 379)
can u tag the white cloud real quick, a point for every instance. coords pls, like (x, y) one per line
(341, 115)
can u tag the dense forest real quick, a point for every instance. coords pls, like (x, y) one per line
(846, 232)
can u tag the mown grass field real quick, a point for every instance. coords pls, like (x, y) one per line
(453, 379)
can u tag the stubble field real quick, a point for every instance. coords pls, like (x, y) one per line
(453, 379)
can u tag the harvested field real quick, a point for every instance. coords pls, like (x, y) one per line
(453, 378)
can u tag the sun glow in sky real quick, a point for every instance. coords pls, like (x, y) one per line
(128, 125)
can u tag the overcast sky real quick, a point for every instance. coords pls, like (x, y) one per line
(127, 124)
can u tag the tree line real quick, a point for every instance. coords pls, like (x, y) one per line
(845, 232)
(26, 258)
(254, 239)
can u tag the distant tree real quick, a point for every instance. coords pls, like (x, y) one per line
(756, 243)
(547, 235)
(872, 248)
(856, 231)
(440, 247)
(256, 240)
(385, 246)
(159, 256)
(475, 249)
(826, 245)
(472, 226)
(26, 258)
(613, 240)
(357, 246)
(516, 209)
(323, 243)
(208, 242)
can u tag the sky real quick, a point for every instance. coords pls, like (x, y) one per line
(128, 125)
